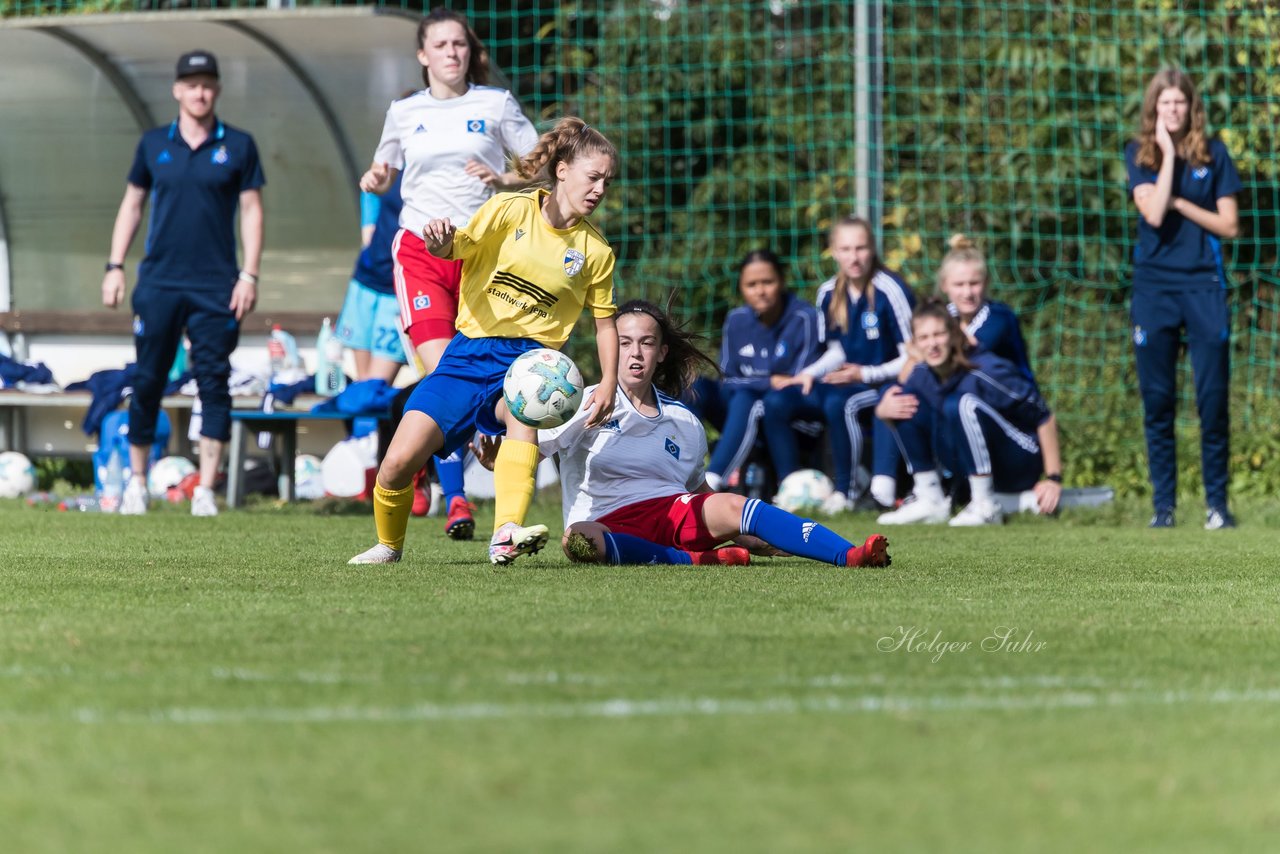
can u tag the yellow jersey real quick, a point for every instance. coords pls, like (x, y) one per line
(521, 278)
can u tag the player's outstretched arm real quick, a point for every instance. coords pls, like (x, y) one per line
(607, 346)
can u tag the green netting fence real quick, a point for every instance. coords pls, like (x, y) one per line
(1005, 120)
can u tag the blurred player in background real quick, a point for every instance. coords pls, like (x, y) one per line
(451, 141)
(197, 172)
(764, 343)
(989, 415)
(867, 314)
(533, 261)
(1184, 186)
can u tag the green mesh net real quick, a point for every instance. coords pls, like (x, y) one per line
(1002, 120)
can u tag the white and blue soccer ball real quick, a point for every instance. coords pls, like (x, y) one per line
(166, 473)
(543, 388)
(802, 492)
(308, 477)
(17, 475)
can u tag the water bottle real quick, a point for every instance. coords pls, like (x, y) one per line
(275, 351)
(330, 379)
(179, 363)
(113, 484)
(81, 503)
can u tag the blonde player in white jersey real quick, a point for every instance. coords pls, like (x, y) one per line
(452, 140)
(634, 489)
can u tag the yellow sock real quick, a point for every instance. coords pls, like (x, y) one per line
(513, 481)
(391, 514)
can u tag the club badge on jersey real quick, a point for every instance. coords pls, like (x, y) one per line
(573, 261)
(870, 325)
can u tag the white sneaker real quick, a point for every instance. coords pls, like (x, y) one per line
(202, 503)
(511, 541)
(378, 554)
(979, 513)
(836, 502)
(134, 500)
(916, 509)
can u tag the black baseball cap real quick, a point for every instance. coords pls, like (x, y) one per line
(196, 62)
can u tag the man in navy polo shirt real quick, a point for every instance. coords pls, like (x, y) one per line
(196, 171)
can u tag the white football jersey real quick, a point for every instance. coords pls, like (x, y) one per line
(629, 458)
(430, 141)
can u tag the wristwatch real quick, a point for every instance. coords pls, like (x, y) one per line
(111, 265)
(1056, 478)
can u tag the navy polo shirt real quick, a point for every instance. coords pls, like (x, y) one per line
(191, 241)
(1180, 253)
(375, 268)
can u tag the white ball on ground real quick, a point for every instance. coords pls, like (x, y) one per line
(167, 473)
(17, 475)
(308, 477)
(543, 388)
(803, 491)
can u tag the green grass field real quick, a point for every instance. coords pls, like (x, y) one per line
(177, 684)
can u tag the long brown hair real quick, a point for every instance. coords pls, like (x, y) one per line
(1194, 145)
(963, 250)
(933, 307)
(684, 361)
(477, 67)
(838, 308)
(570, 139)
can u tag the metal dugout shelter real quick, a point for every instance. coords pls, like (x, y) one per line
(76, 92)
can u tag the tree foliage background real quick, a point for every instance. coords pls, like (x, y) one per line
(1003, 120)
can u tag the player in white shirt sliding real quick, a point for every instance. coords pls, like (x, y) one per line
(451, 140)
(634, 488)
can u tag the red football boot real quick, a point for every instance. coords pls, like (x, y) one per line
(460, 525)
(874, 552)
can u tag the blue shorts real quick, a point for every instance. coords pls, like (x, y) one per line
(461, 393)
(371, 321)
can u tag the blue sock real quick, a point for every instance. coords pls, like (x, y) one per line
(449, 470)
(624, 548)
(803, 537)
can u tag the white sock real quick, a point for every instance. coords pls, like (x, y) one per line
(928, 486)
(714, 481)
(981, 489)
(884, 489)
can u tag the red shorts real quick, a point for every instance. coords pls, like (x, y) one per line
(673, 521)
(426, 288)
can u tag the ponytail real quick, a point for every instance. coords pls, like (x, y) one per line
(570, 139)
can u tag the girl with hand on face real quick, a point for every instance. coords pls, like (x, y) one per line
(1004, 437)
(634, 491)
(764, 343)
(449, 144)
(533, 261)
(1184, 186)
(867, 310)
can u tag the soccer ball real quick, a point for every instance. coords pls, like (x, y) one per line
(543, 388)
(17, 475)
(803, 491)
(308, 477)
(166, 473)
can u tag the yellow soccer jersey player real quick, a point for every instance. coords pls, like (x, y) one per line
(523, 278)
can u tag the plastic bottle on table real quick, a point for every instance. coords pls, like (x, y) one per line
(275, 351)
(330, 379)
(113, 483)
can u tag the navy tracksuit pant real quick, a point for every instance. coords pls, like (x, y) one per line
(160, 315)
(1159, 317)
